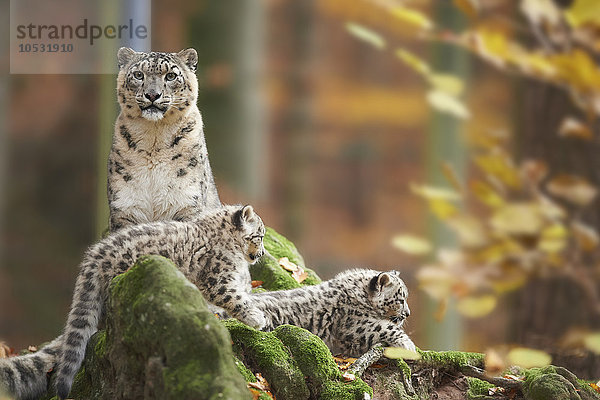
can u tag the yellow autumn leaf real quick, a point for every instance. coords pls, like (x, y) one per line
(476, 306)
(583, 12)
(412, 17)
(447, 83)
(286, 264)
(585, 235)
(471, 233)
(486, 194)
(572, 127)
(592, 342)
(413, 61)
(442, 209)
(528, 358)
(511, 278)
(411, 244)
(553, 238)
(365, 34)
(435, 281)
(401, 353)
(494, 362)
(448, 104)
(469, 7)
(572, 188)
(518, 219)
(433, 192)
(541, 11)
(500, 166)
(492, 46)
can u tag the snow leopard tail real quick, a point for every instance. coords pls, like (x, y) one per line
(81, 324)
(26, 377)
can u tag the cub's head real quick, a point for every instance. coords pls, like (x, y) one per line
(251, 230)
(387, 294)
(156, 85)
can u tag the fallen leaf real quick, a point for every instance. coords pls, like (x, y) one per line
(412, 244)
(534, 171)
(5, 351)
(348, 377)
(366, 35)
(572, 188)
(344, 362)
(572, 127)
(32, 349)
(300, 275)
(595, 386)
(476, 306)
(286, 264)
(401, 353)
(448, 104)
(256, 284)
(528, 358)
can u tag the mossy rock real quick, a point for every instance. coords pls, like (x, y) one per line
(161, 342)
(296, 363)
(268, 270)
(558, 383)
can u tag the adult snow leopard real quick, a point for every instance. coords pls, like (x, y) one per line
(158, 167)
(213, 251)
(350, 313)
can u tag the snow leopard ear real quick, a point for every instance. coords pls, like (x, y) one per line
(189, 58)
(124, 56)
(243, 216)
(378, 282)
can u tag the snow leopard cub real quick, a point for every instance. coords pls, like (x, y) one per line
(158, 167)
(213, 251)
(350, 313)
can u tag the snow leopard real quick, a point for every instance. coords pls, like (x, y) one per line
(213, 251)
(351, 312)
(158, 167)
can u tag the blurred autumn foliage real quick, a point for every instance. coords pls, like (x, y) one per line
(515, 220)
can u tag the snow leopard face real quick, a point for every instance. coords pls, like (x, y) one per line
(388, 294)
(253, 232)
(155, 85)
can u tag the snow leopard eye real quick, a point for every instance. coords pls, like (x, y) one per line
(170, 76)
(138, 75)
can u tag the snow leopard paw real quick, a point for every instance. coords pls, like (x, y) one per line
(255, 318)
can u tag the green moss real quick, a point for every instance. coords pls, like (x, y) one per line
(161, 342)
(553, 382)
(404, 369)
(268, 270)
(478, 389)
(453, 360)
(338, 390)
(279, 246)
(264, 352)
(246, 373)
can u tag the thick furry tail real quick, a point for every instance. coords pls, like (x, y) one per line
(26, 377)
(81, 324)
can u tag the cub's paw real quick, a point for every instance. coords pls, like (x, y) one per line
(408, 344)
(255, 318)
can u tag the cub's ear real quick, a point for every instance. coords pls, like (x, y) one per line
(378, 282)
(189, 58)
(124, 56)
(243, 216)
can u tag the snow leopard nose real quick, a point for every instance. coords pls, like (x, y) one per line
(406, 312)
(152, 96)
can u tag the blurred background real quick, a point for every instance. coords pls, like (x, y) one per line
(423, 136)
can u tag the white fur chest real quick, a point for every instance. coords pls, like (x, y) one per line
(155, 192)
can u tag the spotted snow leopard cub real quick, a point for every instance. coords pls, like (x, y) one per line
(213, 251)
(350, 313)
(158, 167)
